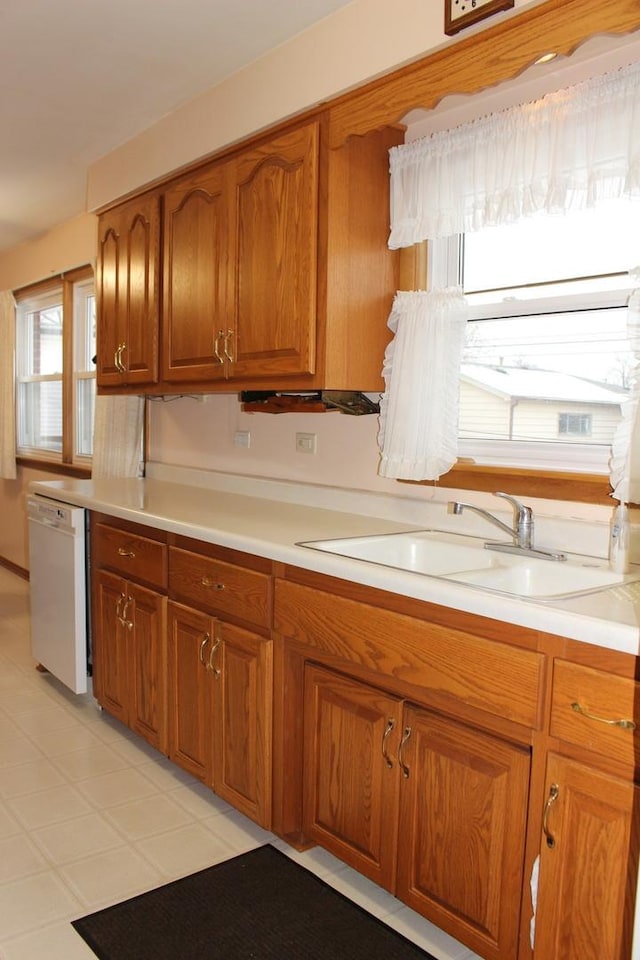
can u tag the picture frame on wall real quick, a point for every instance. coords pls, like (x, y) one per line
(459, 14)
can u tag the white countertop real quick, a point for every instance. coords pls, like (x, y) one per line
(264, 519)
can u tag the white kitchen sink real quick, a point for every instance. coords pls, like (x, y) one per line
(422, 551)
(464, 559)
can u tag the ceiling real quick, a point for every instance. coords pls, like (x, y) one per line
(81, 77)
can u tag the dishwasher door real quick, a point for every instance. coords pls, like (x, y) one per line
(58, 585)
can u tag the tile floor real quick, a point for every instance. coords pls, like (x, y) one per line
(90, 815)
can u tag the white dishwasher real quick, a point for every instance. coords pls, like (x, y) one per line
(58, 589)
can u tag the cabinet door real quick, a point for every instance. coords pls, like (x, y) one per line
(351, 782)
(462, 829)
(110, 644)
(276, 197)
(242, 693)
(197, 312)
(190, 640)
(588, 867)
(147, 658)
(128, 293)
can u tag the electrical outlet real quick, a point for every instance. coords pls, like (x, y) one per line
(305, 443)
(242, 438)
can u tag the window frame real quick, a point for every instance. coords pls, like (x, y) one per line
(419, 269)
(65, 462)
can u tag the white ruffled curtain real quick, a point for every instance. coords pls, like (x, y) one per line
(625, 456)
(117, 436)
(419, 408)
(7, 386)
(568, 150)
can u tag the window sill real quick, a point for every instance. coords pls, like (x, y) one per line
(53, 466)
(546, 485)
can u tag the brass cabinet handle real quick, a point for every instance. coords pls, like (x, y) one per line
(123, 618)
(212, 653)
(117, 359)
(119, 616)
(214, 584)
(405, 736)
(123, 552)
(227, 337)
(216, 350)
(622, 723)
(387, 730)
(554, 791)
(203, 647)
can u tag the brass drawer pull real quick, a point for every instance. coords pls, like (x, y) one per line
(554, 791)
(387, 730)
(123, 552)
(214, 584)
(622, 723)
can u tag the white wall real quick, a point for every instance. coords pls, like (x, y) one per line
(365, 39)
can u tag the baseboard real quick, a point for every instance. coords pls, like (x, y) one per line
(14, 568)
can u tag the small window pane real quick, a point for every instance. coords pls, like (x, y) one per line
(85, 402)
(40, 420)
(42, 338)
(551, 248)
(578, 424)
(85, 326)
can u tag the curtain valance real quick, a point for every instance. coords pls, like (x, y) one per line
(567, 150)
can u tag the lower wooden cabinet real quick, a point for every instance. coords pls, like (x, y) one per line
(588, 865)
(190, 639)
(430, 808)
(220, 707)
(130, 655)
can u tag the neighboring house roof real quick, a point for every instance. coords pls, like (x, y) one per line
(523, 384)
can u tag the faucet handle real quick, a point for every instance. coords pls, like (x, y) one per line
(521, 510)
(523, 521)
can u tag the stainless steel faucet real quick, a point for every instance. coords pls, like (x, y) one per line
(521, 532)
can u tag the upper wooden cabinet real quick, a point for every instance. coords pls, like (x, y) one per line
(275, 270)
(199, 230)
(128, 294)
(240, 243)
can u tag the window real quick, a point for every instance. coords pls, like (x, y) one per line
(55, 374)
(547, 361)
(574, 424)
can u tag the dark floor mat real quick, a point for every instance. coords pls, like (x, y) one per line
(258, 906)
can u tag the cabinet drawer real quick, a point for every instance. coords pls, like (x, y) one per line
(448, 665)
(220, 587)
(595, 710)
(130, 554)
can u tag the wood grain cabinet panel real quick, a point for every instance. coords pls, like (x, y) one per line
(273, 264)
(596, 710)
(128, 278)
(588, 865)
(463, 817)
(427, 807)
(191, 635)
(220, 695)
(131, 554)
(220, 587)
(242, 671)
(447, 664)
(198, 305)
(351, 790)
(129, 628)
